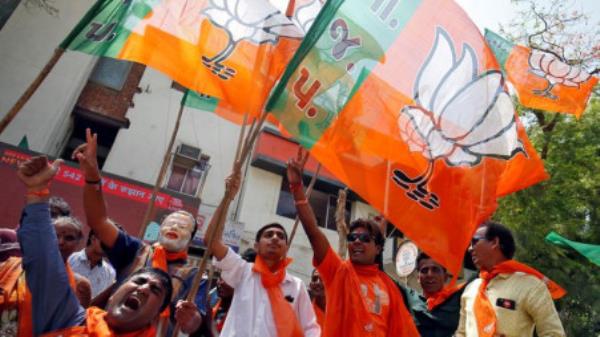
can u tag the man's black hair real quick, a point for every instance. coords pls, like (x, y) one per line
(267, 226)
(504, 235)
(59, 207)
(423, 256)
(249, 255)
(375, 231)
(165, 280)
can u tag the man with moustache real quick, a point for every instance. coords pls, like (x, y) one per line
(362, 301)
(127, 253)
(267, 301)
(133, 308)
(509, 298)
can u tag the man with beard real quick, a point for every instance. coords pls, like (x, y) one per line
(55, 309)
(267, 301)
(509, 298)
(361, 299)
(127, 253)
(436, 312)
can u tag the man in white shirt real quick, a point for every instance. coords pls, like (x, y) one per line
(268, 301)
(89, 262)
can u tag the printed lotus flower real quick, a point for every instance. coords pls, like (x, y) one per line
(553, 70)
(460, 116)
(305, 15)
(256, 21)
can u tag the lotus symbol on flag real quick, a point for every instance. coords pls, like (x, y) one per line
(554, 71)
(460, 116)
(306, 14)
(253, 21)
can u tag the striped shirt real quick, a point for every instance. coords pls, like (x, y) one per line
(101, 276)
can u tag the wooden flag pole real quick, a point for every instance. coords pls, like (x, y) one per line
(307, 194)
(58, 52)
(340, 223)
(163, 170)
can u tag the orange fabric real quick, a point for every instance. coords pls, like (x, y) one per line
(347, 313)
(71, 276)
(483, 309)
(257, 67)
(569, 99)
(219, 322)
(320, 314)
(96, 325)
(285, 318)
(16, 295)
(160, 259)
(442, 295)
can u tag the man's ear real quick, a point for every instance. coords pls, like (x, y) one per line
(256, 246)
(379, 249)
(495, 243)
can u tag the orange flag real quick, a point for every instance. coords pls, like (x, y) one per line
(405, 103)
(542, 80)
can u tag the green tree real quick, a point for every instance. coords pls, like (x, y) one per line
(569, 202)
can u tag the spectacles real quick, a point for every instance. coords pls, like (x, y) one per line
(362, 237)
(69, 238)
(476, 239)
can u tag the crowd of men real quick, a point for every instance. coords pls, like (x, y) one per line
(119, 285)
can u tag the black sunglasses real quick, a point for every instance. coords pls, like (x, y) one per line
(362, 237)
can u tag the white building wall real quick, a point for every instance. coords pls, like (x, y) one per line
(27, 41)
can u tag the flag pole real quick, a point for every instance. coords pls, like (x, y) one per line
(340, 223)
(58, 52)
(307, 194)
(163, 169)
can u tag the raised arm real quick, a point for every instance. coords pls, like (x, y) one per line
(232, 185)
(93, 200)
(317, 239)
(54, 304)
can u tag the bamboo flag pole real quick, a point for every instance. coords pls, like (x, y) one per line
(58, 52)
(163, 169)
(340, 223)
(307, 194)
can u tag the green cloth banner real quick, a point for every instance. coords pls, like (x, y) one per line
(591, 252)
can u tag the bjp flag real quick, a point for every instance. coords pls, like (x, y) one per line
(404, 102)
(542, 80)
(234, 50)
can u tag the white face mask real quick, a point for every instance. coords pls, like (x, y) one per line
(175, 232)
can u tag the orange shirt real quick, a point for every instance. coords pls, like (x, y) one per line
(374, 293)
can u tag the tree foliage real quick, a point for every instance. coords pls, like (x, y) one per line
(569, 202)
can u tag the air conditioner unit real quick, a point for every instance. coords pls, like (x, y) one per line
(187, 155)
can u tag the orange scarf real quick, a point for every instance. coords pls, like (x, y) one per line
(160, 259)
(320, 315)
(347, 315)
(286, 322)
(484, 311)
(95, 325)
(442, 295)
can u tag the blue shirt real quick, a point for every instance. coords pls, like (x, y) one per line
(54, 304)
(123, 254)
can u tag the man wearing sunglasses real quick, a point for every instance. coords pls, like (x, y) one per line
(437, 310)
(267, 301)
(361, 299)
(509, 298)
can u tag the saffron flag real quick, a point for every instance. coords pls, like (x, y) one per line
(590, 251)
(404, 102)
(231, 49)
(542, 80)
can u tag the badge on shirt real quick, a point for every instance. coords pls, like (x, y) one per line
(506, 303)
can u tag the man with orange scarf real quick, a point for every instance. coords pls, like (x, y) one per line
(127, 253)
(267, 301)
(131, 311)
(362, 301)
(437, 310)
(509, 298)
